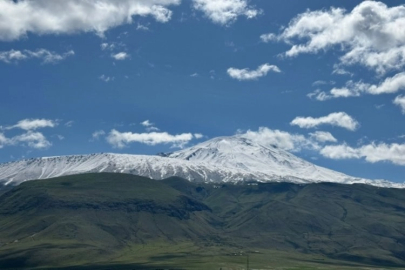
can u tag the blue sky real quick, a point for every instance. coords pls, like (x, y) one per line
(322, 79)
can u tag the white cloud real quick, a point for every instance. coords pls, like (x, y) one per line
(97, 134)
(149, 126)
(194, 75)
(246, 74)
(372, 35)
(323, 136)
(400, 101)
(149, 129)
(339, 119)
(280, 139)
(69, 123)
(225, 12)
(268, 37)
(142, 27)
(3, 140)
(320, 82)
(339, 70)
(372, 153)
(389, 85)
(122, 139)
(319, 95)
(105, 78)
(354, 89)
(147, 123)
(32, 124)
(379, 106)
(32, 139)
(342, 151)
(46, 56)
(105, 46)
(120, 56)
(18, 18)
(198, 135)
(212, 74)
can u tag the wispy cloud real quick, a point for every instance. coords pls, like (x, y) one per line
(142, 27)
(246, 74)
(33, 124)
(122, 139)
(225, 12)
(69, 123)
(339, 119)
(3, 140)
(106, 78)
(354, 89)
(323, 136)
(149, 126)
(120, 56)
(107, 46)
(268, 37)
(97, 134)
(47, 57)
(147, 123)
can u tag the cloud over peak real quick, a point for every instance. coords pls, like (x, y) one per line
(280, 139)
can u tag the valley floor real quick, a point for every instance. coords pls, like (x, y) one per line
(177, 256)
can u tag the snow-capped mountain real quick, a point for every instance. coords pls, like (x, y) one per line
(223, 159)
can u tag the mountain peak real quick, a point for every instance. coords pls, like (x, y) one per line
(242, 153)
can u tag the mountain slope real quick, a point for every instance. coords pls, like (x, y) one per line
(223, 159)
(241, 153)
(92, 216)
(109, 218)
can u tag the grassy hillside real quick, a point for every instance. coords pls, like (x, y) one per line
(128, 222)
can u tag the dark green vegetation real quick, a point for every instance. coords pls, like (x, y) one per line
(119, 221)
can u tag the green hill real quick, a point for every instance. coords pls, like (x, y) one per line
(120, 221)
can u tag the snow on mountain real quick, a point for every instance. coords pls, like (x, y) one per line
(273, 163)
(227, 159)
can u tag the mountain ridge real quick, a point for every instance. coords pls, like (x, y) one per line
(221, 159)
